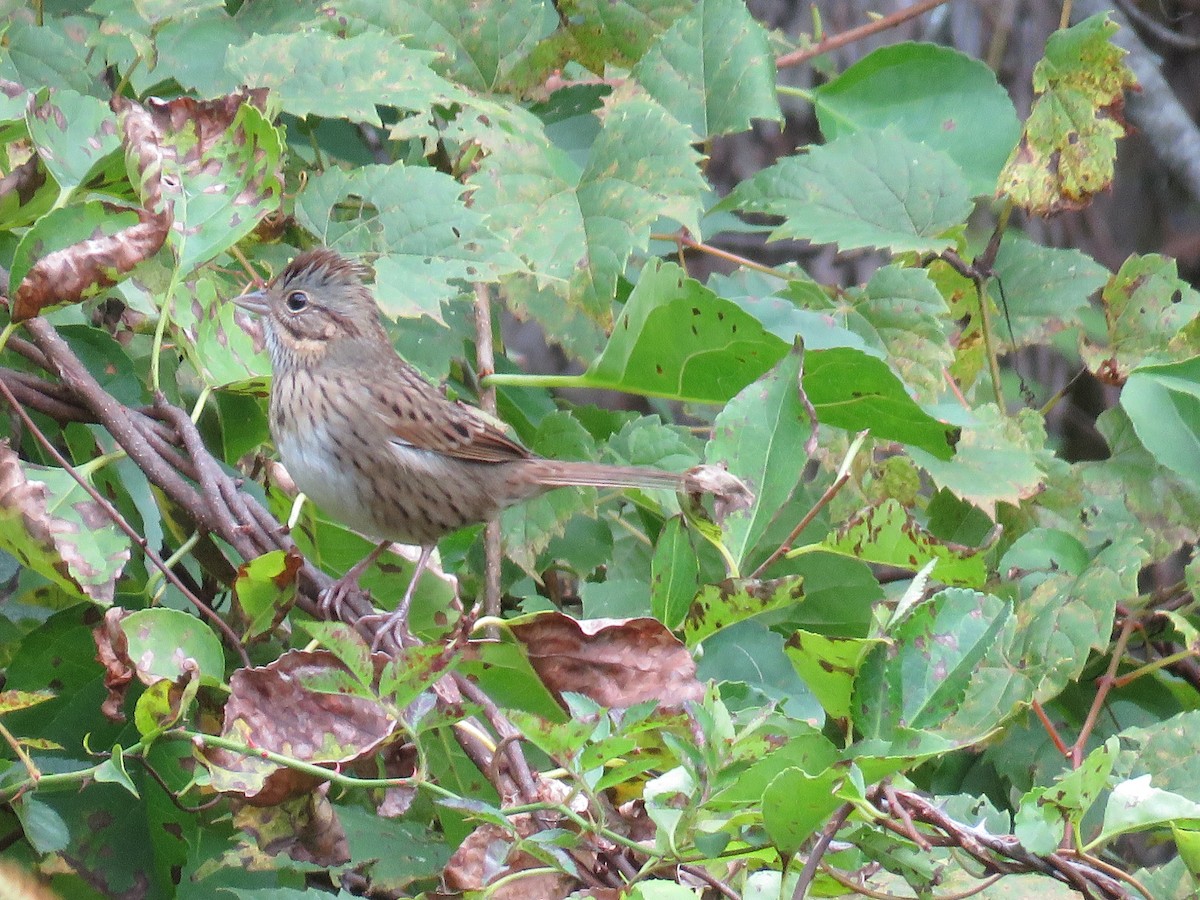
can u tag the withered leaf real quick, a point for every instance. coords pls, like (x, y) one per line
(616, 662)
(488, 853)
(112, 652)
(294, 707)
(213, 164)
(84, 269)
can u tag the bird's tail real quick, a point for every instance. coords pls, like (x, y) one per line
(560, 473)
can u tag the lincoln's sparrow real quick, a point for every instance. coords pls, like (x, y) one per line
(371, 442)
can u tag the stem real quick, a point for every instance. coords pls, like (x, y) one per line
(839, 482)
(683, 239)
(989, 347)
(485, 364)
(796, 57)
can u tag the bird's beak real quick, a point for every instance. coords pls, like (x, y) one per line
(254, 302)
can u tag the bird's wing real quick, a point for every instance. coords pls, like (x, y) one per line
(419, 415)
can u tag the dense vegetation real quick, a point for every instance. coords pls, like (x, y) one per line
(921, 660)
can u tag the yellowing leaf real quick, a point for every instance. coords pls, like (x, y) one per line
(1067, 150)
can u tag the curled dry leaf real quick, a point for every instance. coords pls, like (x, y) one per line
(53, 527)
(83, 270)
(112, 652)
(300, 706)
(616, 662)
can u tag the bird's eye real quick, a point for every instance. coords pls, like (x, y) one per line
(296, 301)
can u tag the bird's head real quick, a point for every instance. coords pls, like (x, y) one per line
(317, 306)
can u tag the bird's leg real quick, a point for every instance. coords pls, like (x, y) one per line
(398, 619)
(333, 598)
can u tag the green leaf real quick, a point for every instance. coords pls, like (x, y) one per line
(1162, 749)
(191, 48)
(867, 189)
(220, 185)
(996, 460)
(760, 435)
(750, 663)
(50, 524)
(888, 534)
(1131, 490)
(1046, 289)
(1137, 805)
(1067, 800)
(75, 135)
(504, 672)
(854, 391)
(619, 31)
(264, 590)
(161, 639)
(718, 606)
(480, 43)
(370, 70)
(676, 339)
(674, 573)
(713, 69)
(933, 95)
(829, 666)
(47, 55)
(795, 805)
(902, 315)
(640, 167)
(222, 353)
(426, 242)
(1163, 404)
(112, 771)
(1068, 148)
(1146, 304)
(920, 680)
(1070, 613)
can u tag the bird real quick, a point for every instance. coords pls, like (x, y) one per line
(374, 444)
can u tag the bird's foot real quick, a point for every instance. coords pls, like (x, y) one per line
(393, 629)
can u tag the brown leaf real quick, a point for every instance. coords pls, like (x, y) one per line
(487, 854)
(24, 180)
(729, 492)
(84, 269)
(616, 662)
(298, 706)
(112, 652)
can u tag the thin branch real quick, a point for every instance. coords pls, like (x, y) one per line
(119, 520)
(839, 482)
(828, 833)
(837, 41)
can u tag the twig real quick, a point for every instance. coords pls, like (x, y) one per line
(809, 872)
(131, 532)
(830, 492)
(803, 55)
(1105, 685)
